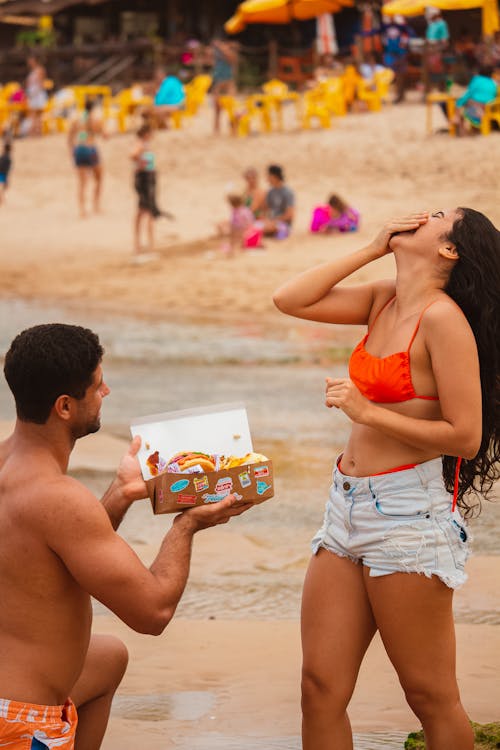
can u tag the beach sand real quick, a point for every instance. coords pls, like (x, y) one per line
(222, 682)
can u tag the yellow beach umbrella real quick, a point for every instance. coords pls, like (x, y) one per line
(280, 12)
(490, 19)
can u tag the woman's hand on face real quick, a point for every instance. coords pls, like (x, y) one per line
(380, 244)
(343, 394)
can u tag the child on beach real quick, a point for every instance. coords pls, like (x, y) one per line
(5, 167)
(145, 185)
(240, 223)
(335, 216)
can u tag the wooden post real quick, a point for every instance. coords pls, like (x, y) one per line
(273, 58)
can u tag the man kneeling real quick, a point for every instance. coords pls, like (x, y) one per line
(59, 547)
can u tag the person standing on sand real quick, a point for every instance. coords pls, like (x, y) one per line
(225, 61)
(144, 160)
(5, 167)
(59, 547)
(423, 390)
(82, 143)
(36, 93)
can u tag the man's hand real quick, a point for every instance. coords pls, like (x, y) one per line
(212, 514)
(129, 476)
(343, 394)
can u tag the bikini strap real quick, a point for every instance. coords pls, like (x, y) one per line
(418, 324)
(455, 486)
(381, 309)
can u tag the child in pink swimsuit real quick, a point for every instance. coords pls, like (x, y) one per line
(335, 216)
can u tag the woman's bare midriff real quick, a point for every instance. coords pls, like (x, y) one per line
(369, 451)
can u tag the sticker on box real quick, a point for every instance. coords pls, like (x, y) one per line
(244, 478)
(180, 485)
(262, 487)
(224, 484)
(261, 471)
(186, 499)
(200, 483)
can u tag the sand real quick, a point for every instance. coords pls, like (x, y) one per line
(206, 681)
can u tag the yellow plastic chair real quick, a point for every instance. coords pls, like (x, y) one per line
(365, 92)
(491, 114)
(315, 108)
(383, 80)
(259, 107)
(239, 118)
(278, 93)
(333, 95)
(351, 79)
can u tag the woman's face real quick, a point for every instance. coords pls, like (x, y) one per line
(429, 236)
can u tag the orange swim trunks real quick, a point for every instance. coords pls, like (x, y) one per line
(25, 726)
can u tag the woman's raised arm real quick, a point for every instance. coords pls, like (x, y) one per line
(314, 294)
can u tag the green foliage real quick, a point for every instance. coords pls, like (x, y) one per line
(36, 38)
(486, 737)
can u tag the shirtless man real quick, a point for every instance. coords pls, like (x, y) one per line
(59, 546)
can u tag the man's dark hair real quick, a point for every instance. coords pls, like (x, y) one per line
(277, 171)
(48, 361)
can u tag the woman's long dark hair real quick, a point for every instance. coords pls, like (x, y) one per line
(474, 284)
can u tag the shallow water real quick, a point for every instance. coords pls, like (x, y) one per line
(285, 406)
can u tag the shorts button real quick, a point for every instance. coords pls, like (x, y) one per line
(346, 486)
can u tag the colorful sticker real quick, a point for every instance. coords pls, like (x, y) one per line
(200, 483)
(262, 487)
(244, 478)
(224, 484)
(180, 485)
(187, 499)
(211, 498)
(261, 471)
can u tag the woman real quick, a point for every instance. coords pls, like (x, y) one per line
(35, 93)
(423, 390)
(225, 60)
(253, 195)
(82, 143)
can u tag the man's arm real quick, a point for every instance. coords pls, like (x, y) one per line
(127, 486)
(77, 528)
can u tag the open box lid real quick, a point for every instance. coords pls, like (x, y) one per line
(222, 428)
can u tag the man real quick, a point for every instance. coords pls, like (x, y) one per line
(437, 36)
(280, 205)
(58, 546)
(437, 28)
(396, 39)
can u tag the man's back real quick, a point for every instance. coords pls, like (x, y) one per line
(45, 615)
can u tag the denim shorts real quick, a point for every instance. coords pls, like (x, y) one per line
(396, 522)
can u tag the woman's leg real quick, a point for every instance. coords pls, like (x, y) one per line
(137, 230)
(337, 627)
(97, 171)
(92, 694)
(415, 619)
(83, 175)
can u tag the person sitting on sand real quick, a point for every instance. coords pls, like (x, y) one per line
(82, 136)
(481, 90)
(144, 160)
(254, 197)
(280, 205)
(5, 167)
(335, 216)
(58, 680)
(240, 221)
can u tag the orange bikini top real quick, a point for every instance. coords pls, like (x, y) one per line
(386, 380)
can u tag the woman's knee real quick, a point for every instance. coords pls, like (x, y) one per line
(323, 691)
(427, 700)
